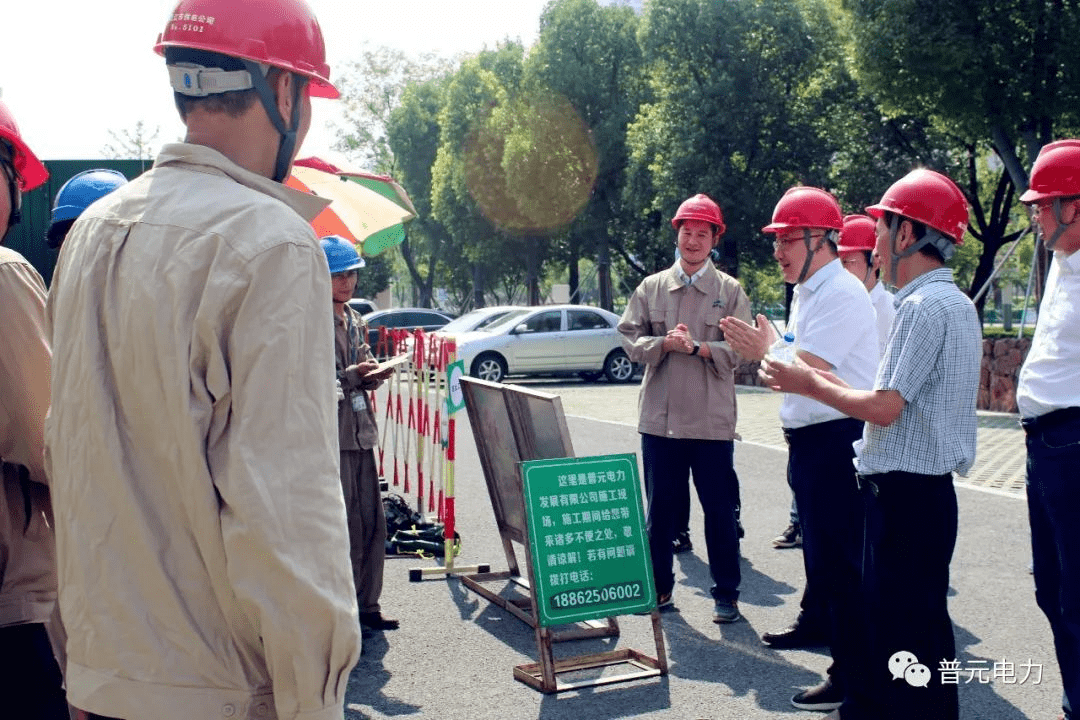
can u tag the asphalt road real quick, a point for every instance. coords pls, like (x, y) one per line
(454, 654)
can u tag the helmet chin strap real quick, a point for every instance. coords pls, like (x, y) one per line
(932, 237)
(809, 253)
(1059, 230)
(287, 145)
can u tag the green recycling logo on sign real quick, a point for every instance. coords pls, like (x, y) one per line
(589, 552)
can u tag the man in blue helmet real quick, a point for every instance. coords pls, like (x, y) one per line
(77, 194)
(358, 434)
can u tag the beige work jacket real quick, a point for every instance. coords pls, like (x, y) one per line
(27, 551)
(192, 446)
(685, 396)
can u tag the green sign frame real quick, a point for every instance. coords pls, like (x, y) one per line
(588, 549)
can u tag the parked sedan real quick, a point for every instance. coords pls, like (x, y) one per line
(402, 318)
(548, 340)
(477, 319)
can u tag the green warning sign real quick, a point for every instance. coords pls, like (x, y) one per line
(586, 535)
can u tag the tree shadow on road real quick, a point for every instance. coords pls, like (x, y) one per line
(756, 588)
(737, 660)
(981, 699)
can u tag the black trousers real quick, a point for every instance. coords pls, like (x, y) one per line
(1053, 454)
(31, 687)
(822, 476)
(668, 464)
(911, 523)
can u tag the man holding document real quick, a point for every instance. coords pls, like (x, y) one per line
(358, 373)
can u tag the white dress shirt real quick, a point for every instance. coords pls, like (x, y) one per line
(832, 317)
(1050, 378)
(884, 303)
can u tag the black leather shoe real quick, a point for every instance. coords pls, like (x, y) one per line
(822, 698)
(375, 621)
(794, 636)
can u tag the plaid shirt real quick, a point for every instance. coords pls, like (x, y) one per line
(933, 361)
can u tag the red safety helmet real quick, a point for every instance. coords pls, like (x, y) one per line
(857, 234)
(927, 197)
(700, 207)
(805, 207)
(1056, 172)
(29, 170)
(281, 33)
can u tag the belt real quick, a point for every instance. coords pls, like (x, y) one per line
(1051, 420)
(829, 427)
(873, 482)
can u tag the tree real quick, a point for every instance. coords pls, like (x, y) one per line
(371, 89)
(1005, 74)
(474, 194)
(135, 143)
(413, 138)
(590, 55)
(742, 95)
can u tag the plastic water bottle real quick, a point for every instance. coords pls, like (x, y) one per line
(784, 349)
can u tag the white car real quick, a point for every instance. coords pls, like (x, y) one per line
(548, 340)
(476, 319)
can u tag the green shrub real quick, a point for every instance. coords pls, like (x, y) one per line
(997, 333)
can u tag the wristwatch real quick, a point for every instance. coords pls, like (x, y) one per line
(697, 348)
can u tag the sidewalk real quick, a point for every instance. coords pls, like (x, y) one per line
(999, 462)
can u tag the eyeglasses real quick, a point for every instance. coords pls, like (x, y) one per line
(344, 275)
(785, 243)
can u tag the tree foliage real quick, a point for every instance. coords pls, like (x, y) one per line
(994, 74)
(526, 163)
(590, 56)
(135, 143)
(1004, 72)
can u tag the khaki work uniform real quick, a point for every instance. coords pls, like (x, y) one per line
(201, 536)
(27, 550)
(687, 417)
(358, 435)
(31, 635)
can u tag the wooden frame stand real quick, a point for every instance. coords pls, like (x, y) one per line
(544, 675)
(511, 424)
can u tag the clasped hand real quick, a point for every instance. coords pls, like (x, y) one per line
(679, 340)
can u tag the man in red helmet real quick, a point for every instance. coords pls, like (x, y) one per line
(30, 677)
(832, 323)
(1048, 396)
(858, 239)
(920, 428)
(687, 402)
(193, 434)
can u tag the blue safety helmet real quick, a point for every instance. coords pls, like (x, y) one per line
(341, 255)
(77, 194)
